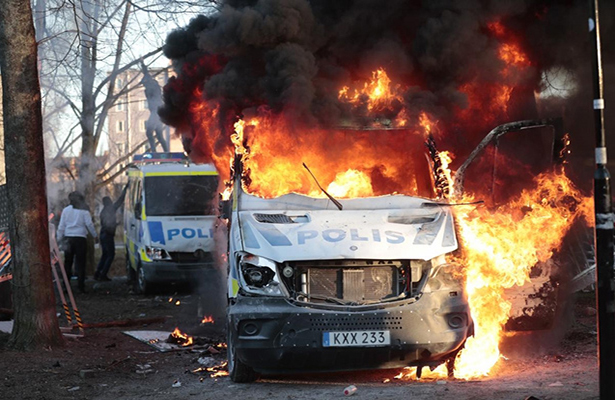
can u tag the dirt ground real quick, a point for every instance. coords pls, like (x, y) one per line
(107, 364)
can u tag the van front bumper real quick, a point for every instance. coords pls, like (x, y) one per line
(172, 272)
(274, 335)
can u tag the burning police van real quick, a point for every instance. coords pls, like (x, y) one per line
(321, 284)
(169, 220)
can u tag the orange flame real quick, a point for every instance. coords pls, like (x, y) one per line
(218, 370)
(207, 319)
(446, 158)
(355, 166)
(378, 94)
(511, 53)
(182, 338)
(351, 183)
(499, 246)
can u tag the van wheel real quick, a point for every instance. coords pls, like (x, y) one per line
(131, 274)
(142, 285)
(238, 371)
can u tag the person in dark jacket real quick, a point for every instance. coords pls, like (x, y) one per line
(108, 224)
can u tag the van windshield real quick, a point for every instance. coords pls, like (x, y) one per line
(180, 195)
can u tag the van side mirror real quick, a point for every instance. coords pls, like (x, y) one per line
(138, 210)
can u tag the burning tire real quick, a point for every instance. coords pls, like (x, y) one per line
(238, 371)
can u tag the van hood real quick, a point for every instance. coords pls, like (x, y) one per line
(377, 234)
(180, 234)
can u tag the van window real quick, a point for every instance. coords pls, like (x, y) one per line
(180, 195)
(130, 202)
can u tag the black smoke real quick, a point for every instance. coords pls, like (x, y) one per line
(292, 56)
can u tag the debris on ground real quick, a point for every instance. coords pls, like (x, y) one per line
(177, 340)
(215, 371)
(207, 361)
(350, 390)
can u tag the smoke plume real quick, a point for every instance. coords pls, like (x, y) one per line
(290, 58)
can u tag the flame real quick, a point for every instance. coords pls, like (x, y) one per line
(351, 183)
(183, 338)
(491, 99)
(207, 319)
(426, 122)
(178, 302)
(565, 151)
(446, 158)
(512, 54)
(378, 94)
(271, 148)
(499, 245)
(218, 370)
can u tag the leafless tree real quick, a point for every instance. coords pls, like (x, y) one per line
(85, 46)
(36, 324)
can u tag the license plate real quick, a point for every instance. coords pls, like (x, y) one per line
(356, 338)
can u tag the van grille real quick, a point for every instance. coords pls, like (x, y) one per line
(353, 284)
(349, 280)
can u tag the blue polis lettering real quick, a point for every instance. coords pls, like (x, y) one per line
(333, 235)
(189, 233)
(337, 235)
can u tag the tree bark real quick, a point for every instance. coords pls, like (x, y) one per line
(36, 324)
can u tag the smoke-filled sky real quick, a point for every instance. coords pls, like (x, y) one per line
(293, 56)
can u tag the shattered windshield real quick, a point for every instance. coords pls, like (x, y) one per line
(180, 195)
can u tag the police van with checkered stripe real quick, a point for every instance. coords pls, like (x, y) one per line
(169, 218)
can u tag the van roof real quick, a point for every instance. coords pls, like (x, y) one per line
(177, 167)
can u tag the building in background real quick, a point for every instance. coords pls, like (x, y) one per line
(127, 118)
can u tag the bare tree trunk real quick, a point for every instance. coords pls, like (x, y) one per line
(87, 168)
(36, 324)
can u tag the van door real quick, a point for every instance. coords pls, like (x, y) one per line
(510, 156)
(132, 217)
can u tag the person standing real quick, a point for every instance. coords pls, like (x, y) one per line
(75, 223)
(153, 125)
(108, 224)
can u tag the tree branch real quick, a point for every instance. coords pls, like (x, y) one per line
(107, 104)
(121, 171)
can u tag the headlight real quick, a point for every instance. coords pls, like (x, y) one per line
(445, 276)
(157, 253)
(259, 275)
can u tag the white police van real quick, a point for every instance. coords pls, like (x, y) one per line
(169, 217)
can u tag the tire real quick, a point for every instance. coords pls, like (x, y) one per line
(131, 274)
(142, 286)
(238, 371)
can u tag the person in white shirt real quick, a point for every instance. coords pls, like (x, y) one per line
(75, 223)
